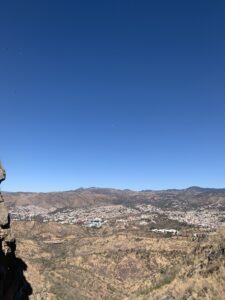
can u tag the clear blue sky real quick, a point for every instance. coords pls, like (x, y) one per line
(126, 94)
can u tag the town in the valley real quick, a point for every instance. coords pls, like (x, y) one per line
(122, 216)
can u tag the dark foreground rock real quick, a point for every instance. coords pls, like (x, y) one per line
(13, 284)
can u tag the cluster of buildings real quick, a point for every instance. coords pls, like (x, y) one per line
(97, 216)
(166, 231)
(81, 216)
(210, 218)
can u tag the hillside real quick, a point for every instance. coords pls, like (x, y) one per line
(73, 262)
(201, 276)
(186, 199)
(126, 257)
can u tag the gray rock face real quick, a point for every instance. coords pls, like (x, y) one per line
(2, 173)
(4, 214)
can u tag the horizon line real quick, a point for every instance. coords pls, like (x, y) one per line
(118, 189)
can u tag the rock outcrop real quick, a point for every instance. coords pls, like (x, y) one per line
(13, 284)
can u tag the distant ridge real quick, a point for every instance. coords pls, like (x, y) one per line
(191, 198)
(202, 189)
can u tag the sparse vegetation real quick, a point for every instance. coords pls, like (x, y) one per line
(106, 264)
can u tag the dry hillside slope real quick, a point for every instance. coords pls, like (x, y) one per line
(202, 276)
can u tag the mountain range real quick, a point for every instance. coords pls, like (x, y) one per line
(184, 199)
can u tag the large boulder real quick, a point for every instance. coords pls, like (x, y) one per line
(4, 215)
(2, 173)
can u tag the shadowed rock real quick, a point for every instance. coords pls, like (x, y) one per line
(13, 284)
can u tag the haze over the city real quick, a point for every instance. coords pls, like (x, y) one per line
(124, 94)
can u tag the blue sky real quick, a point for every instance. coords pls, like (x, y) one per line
(125, 94)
